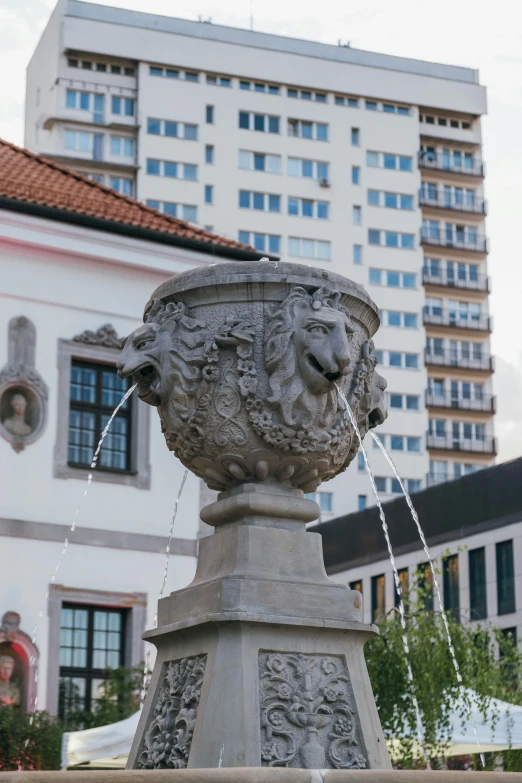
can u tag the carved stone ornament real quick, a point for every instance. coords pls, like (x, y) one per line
(308, 715)
(23, 392)
(18, 664)
(106, 335)
(243, 361)
(167, 740)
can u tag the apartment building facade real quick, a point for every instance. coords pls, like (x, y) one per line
(476, 545)
(367, 164)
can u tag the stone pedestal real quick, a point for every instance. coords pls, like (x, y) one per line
(260, 660)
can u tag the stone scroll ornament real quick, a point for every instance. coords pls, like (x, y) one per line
(308, 717)
(23, 392)
(247, 398)
(167, 740)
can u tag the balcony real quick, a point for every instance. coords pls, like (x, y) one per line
(448, 358)
(473, 243)
(442, 162)
(461, 281)
(451, 318)
(486, 404)
(440, 200)
(465, 445)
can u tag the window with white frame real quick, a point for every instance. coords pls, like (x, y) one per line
(271, 89)
(306, 129)
(264, 202)
(220, 81)
(399, 319)
(260, 161)
(174, 73)
(264, 243)
(172, 128)
(311, 169)
(387, 160)
(309, 248)
(170, 168)
(79, 141)
(121, 185)
(387, 108)
(187, 212)
(451, 196)
(392, 279)
(123, 106)
(86, 101)
(303, 207)
(446, 122)
(405, 443)
(380, 198)
(325, 502)
(265, 123)
(122, 147)
(390, 486)
(399, 359)
(356, 215)
(341, 100)
(357, 254)
(404, 402)
(391, 239)
(306, 95)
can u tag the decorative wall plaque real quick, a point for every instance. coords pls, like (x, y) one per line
(23, 392)
(167, 740)
(308, 714)
(18, 664)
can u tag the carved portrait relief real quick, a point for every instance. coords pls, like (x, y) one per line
(18, 663)
(23, 392)
(251, 391)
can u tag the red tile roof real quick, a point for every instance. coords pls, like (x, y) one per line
(34, 180)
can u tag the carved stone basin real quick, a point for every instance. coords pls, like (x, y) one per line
(242, 361)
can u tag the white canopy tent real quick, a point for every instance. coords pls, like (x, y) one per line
(109, 746)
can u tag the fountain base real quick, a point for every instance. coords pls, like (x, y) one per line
(260, 660)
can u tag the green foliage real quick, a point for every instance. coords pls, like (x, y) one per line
(434, 676)
(29, 745)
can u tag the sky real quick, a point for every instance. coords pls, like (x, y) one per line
(472, 33)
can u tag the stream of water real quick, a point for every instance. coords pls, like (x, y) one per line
(146, 668)
(398, 585)
(415, 517)
(65, 545)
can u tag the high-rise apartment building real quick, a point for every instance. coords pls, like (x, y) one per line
(367, 164)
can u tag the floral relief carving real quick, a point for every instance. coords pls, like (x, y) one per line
(308, 716)
(167, 740)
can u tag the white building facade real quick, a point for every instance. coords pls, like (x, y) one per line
(364, 163)
(73, 283)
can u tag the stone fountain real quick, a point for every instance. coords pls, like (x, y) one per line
(260, 659)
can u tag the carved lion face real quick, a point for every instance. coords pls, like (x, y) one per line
(141, 358)
(321, 345)
(378, 412)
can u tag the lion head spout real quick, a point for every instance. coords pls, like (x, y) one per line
(307, 351)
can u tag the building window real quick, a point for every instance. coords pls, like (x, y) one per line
(361, 465)
(323, 500)
(88, 391)
(122, 146)
(91, 644)
(307, 208)
(361, 502)
(184, 211)
(391, 239)
(357, 254)
(404, 583)
(379, 198)
(169, 168)
(509, 640)
(121, 185)
(392, 279)
(94, 393)
(356, 175)
(264, 202)
(477, 584)
(309, 248)
(261, 242)
(505, 577)
(209, 153)
(258, 122)
(221, 81)
(259, 161)
(305, 129)
(450, 573)
(356, 585)
(403, 402)
(356, 215)
(425, 586)
(378, 604)
(209, 115)
(389, 161)
(312, 169)
(355, 137)
(172, 128)
(123, 106)
(399, 319)
(209, 194)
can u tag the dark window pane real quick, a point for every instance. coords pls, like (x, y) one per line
(451, 586)
(378, 605)
(425, 586)
(477, 584)
(505, 577)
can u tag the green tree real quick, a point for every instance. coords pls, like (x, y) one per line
(435, 682)
(29, 744)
